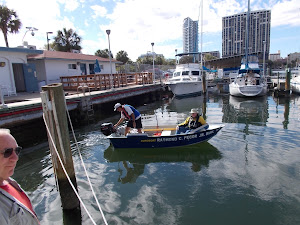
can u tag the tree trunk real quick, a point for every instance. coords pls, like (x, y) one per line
(5, 38)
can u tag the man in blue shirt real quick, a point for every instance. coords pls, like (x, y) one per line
(129, 113)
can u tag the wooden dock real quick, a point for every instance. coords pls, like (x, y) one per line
(23, 111)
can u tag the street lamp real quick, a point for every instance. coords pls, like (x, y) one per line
(32, 29)
(111, 79)
(153, 63)
(264, 42)
(48, 39)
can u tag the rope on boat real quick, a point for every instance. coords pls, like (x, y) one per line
(62, 165)
(79, 152)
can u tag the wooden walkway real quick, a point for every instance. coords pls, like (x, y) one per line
(25, 110)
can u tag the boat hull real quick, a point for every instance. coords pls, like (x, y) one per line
(181, 89)
(145, 141)
(295, 85)
(247, 90)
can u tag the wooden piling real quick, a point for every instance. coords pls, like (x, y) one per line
(204, 81)
(53, 102)
(287, 79)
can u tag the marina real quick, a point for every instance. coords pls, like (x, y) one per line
(98, 129)
(247, 174)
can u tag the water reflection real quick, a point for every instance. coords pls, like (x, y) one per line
(247, 111)
(287, 103)
(184, 105)
(30, 177)
(134, 160)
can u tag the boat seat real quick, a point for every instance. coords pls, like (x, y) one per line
(201, 128)
(166, 133)
(136, 134)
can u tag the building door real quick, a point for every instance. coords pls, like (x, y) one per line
(19, 77)
(31, 81)
(83, 68)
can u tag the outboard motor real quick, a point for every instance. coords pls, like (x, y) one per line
(107, 129)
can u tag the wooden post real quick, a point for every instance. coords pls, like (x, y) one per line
(53, 102)
(204, 81)
(287, 79)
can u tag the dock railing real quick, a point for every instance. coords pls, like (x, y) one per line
(103, 81)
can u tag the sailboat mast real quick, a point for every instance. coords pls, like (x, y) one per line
(247, 35)
(201, 32)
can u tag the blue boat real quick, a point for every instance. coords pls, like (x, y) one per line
(157, 137)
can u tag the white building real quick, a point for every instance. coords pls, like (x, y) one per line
(16, 75)
(51, 65)
(274, 56)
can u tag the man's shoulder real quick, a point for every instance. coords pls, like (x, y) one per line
(126, 107)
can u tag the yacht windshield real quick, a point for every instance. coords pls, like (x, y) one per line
(176, 74)
(185, 72)
(195, 73)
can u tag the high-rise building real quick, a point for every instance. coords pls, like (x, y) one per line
(234, 33)
(190, 35)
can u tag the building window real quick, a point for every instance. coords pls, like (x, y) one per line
(72, 66)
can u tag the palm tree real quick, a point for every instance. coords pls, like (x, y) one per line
(103, 53)
(122, 56)
(67, 40)
(9, 22)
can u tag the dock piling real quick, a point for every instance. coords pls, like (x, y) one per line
(287, 79)
(53, 102)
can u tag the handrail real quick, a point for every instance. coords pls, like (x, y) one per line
(103, 82)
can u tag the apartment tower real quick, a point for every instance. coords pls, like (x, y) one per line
(234, 33)
(190, 35)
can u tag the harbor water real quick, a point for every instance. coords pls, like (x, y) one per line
(249, 173)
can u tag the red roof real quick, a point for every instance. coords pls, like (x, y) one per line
(68, 55)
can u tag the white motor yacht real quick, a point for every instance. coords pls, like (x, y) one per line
(295, 81)
(186, 80)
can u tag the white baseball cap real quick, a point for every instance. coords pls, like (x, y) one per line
(194, 111)
(117, 105)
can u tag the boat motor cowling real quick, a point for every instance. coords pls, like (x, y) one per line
(107, 129)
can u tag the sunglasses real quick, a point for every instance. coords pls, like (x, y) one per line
(8, 152)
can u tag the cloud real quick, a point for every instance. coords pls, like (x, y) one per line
(286, 13)
(70, 5)
(99, 11)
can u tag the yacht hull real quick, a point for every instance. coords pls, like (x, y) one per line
(295, 85)
(181, 89)
(247, 90)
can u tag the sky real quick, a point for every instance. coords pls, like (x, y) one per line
(135, 24)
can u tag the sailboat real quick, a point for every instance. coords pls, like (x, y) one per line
(249, 82)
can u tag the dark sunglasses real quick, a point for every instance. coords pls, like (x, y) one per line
(8, 152)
